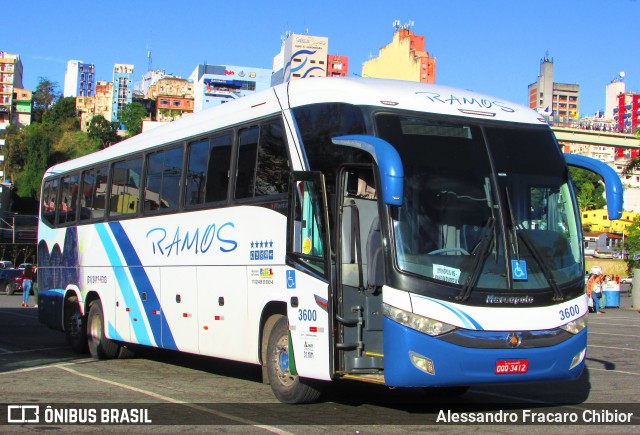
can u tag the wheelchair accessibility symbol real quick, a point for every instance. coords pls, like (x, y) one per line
(291, 279)
(519, 270)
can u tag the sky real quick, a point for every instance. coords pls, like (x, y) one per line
(489, 46)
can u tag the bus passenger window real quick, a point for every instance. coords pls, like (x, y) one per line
(208, 170)
(125, 187)
(68, 199)
(218, 168)
(94, 189)
(272, 175)
(196, 172)
(49, 201)
(248, 146)
(162, 186)
(308, 227)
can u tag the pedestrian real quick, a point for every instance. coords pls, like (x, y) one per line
(34, 286)
(597, 293)
(27, 280)
(594, 291)
(589, 291)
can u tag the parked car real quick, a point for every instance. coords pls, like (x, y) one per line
(601, 253)
(6, 264)
(11, 280)
(626, 280)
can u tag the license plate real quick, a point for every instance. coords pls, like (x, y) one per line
(508, 367)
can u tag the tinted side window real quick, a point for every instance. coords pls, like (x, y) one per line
(272, 174)
(318, 123)
(162, 187)
(125, 187)
(208, 172)
(218, 168)
(245, 173)
(49, 201)
(93, 193)
(68, 199)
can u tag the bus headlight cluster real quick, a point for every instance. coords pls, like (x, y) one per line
(414, 321)
(576, 325)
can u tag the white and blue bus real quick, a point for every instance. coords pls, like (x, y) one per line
(393, 232)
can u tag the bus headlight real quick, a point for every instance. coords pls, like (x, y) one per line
(576, 325)
(414, 321)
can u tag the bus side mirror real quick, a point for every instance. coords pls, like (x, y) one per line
(387, 159)
(612, 183)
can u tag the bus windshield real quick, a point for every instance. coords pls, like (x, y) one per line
(485, 206)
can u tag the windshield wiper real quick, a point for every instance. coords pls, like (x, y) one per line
(542, 263)
(544, 266)
(513, 234)
(483, 249)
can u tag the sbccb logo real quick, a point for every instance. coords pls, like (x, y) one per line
(23, 414)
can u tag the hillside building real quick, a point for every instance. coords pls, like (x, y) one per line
(404, 58)
(122, 89)
(79, 79)
(560, 102)
(216, 84)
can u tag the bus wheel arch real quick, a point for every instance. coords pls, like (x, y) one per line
(75, 322)
(270, 315)
(287, 387)
(100, 346)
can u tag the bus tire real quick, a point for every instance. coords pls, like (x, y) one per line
(126, 352)
(75, 330)
(100, 346)
(287, 388)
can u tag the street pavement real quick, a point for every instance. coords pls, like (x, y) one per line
(199, 394)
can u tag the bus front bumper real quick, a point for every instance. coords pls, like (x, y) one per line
(414, 359)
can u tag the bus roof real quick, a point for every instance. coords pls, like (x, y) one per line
(360, 91)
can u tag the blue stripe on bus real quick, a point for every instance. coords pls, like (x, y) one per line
(143, 284)
(139, 330)
(469, 322)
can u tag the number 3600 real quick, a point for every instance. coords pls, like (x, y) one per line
(307, 315)
(569, 312)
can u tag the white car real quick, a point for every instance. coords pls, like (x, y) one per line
(626, 280)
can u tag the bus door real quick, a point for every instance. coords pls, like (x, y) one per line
(309, 276)
(360, 274)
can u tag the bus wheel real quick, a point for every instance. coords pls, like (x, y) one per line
(126, 352)
(74, 326)
(100, 346)
(287, 387)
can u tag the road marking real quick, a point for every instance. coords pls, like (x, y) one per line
(617, 348)
(172, 400)
(625, 325)
(9, 352)
(615, 371)
(617, 335)
(48, 366)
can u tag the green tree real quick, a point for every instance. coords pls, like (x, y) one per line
(131, 116)
(37, 142)
(44, 96)
(632, 243)
(103, 131)
(589, 189)
(63, 111)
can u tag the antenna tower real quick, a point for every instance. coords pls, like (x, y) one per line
(149, 65)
